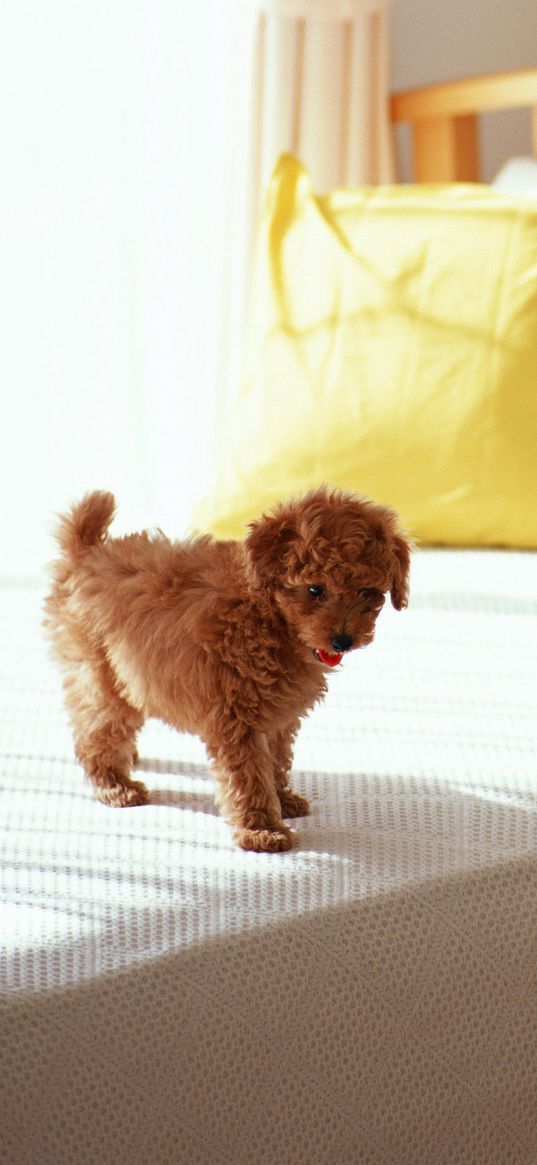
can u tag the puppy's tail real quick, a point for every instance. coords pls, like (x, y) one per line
(86, 523)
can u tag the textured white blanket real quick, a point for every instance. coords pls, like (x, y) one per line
(370, 996)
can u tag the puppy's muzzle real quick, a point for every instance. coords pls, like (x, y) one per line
(342, 643)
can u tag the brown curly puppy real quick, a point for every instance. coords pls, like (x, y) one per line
(229, 640)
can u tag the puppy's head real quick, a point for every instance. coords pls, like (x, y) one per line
(329, 559)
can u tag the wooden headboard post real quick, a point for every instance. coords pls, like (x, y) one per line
(444, 121)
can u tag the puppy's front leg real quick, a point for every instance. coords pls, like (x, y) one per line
(246, 794)
(281, 748)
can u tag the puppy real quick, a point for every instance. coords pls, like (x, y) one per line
(229, 640)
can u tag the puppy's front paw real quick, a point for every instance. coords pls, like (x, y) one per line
(293, 805)
(265, 840)
(123, 796)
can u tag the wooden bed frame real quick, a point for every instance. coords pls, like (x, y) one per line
(444, 121)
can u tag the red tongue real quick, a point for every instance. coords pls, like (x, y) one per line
(329, 660)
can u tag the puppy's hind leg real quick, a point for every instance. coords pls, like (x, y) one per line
(104, 727)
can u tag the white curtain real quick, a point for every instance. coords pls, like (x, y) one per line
(135, 137)
(115, 116)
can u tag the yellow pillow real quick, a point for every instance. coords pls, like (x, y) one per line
(393, 351)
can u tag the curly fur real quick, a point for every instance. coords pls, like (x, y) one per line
(222, 639)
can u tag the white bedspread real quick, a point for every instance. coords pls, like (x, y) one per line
(369, 997)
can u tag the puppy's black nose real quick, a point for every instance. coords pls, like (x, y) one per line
(342, 642)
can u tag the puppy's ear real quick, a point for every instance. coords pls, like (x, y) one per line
(267, 548)
(401, 548)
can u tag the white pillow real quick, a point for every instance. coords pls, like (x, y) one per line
(518, 176)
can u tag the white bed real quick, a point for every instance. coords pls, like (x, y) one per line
(369, 997)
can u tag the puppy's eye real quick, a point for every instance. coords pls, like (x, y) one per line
(371, 594)
(372, 598)
(316, 592)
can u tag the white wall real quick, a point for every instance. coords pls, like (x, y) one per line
(439, 40)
